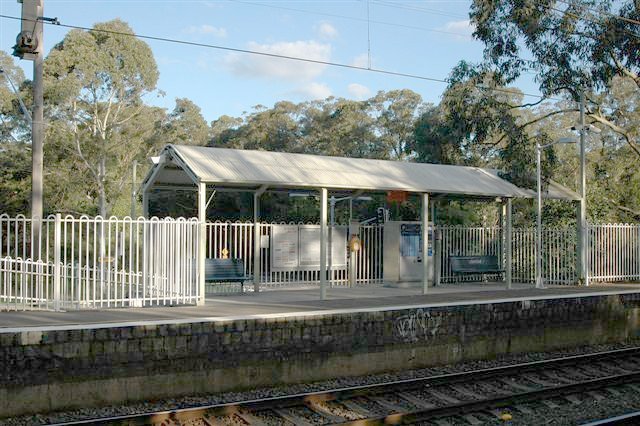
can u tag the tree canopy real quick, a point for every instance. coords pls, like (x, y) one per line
(97, 84)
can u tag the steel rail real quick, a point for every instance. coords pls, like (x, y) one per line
(625, 419)
(279, 402)
(500, 402)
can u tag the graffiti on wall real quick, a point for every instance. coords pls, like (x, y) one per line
(419, 325)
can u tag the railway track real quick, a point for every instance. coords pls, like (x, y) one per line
(472, 397)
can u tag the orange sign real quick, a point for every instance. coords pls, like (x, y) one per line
(397, 196)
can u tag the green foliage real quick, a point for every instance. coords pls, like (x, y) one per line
(14, 127)
(185, 125)
(98, 122)
(94, 86)
(15, 178)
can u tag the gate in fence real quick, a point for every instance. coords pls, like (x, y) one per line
(98, 263)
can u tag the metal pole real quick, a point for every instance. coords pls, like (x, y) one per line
(539, 283)
(133, 188)
(202, 246)
(508, 238)
(582, 226)
(256, 241)
(323, 243)
(425, 243)
(37, 135)
(332, 221)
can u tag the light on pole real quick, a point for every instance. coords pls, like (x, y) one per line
(539, 148)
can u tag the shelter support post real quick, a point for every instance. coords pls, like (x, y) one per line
(426, 264)
(323, 243)
(202, 243)
(508, 237)
(256, 238)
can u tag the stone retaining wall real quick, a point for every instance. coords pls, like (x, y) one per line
(51, 370)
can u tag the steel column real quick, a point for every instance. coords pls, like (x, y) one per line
(256, 238)
(323, 243)
(202, 243)
(426, 265)
(508, 237)
(583, 273)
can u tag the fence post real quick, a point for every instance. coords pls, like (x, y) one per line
(587, 250)
(57, 248)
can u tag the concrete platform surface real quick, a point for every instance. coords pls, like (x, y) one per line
(287, 303)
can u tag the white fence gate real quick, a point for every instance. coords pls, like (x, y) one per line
(97, 263)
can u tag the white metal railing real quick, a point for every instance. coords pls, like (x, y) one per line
(558, 256)
(235, 240)
(98, 263)
(467, 241)
(614, 252)
(94, 262)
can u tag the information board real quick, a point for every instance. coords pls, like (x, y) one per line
(297, 247)
(284, 247)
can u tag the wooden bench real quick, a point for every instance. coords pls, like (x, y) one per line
(475, 265)
(225, 270)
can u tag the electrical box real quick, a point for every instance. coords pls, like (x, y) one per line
(402, 254)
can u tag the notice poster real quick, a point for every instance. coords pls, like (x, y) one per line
(284, 247)
(310, 247)
(297, 247)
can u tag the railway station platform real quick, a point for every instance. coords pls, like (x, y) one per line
(276, 338)
(303, 302)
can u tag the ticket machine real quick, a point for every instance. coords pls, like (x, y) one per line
(402, 254)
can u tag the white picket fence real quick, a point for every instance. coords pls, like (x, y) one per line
(97, 263)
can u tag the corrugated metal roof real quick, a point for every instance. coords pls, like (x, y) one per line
(248, 168)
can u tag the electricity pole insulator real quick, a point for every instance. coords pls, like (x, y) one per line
(26, 44)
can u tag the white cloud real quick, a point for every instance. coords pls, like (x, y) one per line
(361, 61)
(278, 68)
(207, 30)
(463, 29)
(313, 91)
(358, 91)
(326, 31)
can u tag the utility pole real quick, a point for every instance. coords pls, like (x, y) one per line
(582, 226)
(30, 46)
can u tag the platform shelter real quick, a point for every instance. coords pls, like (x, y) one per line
(212, 170)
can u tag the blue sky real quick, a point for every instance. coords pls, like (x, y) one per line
(422, 37)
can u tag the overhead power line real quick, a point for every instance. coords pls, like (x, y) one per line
(587, 18)
(279, 56)
(604, 12)
(419, 9)
(352, 18)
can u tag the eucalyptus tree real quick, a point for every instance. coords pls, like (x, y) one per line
(396, 112)
(95, 82)
(185, 124)
(569, 45)
(340, 127)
